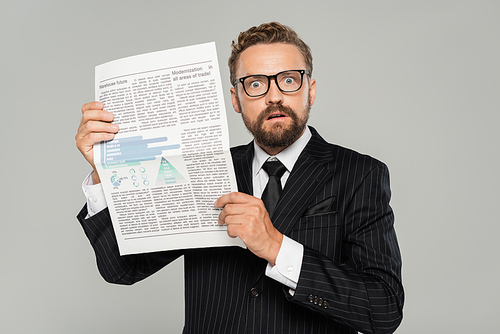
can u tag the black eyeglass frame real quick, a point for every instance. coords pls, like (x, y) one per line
(275, 77)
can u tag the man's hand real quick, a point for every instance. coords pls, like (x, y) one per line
(246, 217)
(95, 127)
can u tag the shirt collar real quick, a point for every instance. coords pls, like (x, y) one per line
(288, 156)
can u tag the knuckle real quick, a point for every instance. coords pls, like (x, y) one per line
(105, 115)
(88, 125)
(255, 209)
(234, 196)
(252, 220)
(92, 137)
(79, 144)
(92, 126)
(229, 209)
(86, 112)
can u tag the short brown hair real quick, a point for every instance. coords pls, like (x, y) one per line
(267, 33)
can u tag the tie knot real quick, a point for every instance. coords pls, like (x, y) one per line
(274, 168)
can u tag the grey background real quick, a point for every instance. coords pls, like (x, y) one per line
(413, 83)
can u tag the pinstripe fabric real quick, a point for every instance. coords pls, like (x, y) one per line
(351, 259)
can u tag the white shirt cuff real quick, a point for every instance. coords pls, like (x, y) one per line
(288, 264)
(96, 201)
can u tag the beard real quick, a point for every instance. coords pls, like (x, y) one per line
(279, 135)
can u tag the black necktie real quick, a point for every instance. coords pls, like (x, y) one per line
(275, 169)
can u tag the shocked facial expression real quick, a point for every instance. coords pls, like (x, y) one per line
(275, 119)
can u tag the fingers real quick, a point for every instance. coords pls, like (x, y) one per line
(242, 225)
(95, 105)
(95, 120)
(246, 217)
(239, 214)
(86, 140)
(236, 205)
(234, 198)
(96, 115)
(95, 126)
(93, 111)
(233, 204)
(231, 214)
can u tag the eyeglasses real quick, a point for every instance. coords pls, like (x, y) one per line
(286, 81)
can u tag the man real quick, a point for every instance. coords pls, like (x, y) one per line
(323, 259)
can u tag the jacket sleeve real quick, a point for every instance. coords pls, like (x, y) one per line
(362, 288)
(113, 267)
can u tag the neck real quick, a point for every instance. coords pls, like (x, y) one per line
(271, 151)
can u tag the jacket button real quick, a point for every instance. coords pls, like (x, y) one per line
(310, 298)
(254, 292)
(325, 304)
(316, 300)
(320, 302)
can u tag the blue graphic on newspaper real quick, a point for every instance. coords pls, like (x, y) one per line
(168, 174)
(116, 180)
(128, 152)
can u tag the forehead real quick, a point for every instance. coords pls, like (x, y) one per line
(269, 59)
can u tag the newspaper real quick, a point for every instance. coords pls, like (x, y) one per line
(170, 160)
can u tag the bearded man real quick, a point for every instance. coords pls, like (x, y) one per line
(322, 254)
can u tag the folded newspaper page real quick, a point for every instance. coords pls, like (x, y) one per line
(170, 160)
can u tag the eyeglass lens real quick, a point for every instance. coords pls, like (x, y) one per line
(288, 81)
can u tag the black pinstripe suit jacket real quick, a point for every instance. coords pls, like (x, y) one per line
(335, 203)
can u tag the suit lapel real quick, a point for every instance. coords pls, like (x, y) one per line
(309, 174)
(242, 161)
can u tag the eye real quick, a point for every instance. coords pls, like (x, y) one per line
(255, 84)
(289, 81)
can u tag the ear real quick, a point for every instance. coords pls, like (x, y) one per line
(312, 91)
(234, 100)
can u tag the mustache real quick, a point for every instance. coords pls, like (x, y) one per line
(272, 108)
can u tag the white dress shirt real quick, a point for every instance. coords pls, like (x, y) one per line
(289, 260)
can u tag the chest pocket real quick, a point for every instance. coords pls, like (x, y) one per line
(318, 220)
(320, 210)
(320, 228)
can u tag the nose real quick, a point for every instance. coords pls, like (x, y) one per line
(274, 95)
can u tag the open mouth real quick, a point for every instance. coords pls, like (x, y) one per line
(276, 115)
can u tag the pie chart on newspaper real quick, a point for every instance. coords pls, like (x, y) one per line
(116, 180)
(168, 174)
